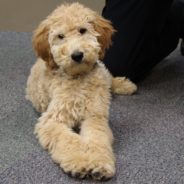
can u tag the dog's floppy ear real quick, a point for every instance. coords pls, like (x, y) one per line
(41, 45)
(105, 30)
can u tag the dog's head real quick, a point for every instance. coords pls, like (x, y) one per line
(72, 39)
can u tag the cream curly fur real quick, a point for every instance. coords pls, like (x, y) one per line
(71, 94)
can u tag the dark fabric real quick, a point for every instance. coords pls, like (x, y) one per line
(147, 33)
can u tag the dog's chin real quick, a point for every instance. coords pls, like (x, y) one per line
(79, 69)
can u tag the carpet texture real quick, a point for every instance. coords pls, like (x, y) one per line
(148, 127)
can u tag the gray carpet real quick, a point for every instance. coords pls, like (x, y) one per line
(148, 127)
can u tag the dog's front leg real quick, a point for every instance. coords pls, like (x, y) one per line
(65, 146)
(98, 137)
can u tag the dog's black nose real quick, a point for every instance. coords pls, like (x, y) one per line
(77, 56)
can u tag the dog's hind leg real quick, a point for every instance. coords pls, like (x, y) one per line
(123, 86)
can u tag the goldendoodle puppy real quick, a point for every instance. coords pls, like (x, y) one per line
(70, 86)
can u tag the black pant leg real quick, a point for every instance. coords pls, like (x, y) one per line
(145, 36)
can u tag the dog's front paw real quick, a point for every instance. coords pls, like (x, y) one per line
(75, 166)
(101, 162)
(102, 169)
(83, 165)
(123, 86)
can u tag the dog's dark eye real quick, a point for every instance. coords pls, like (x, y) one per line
(61, 36)
(82, 30)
